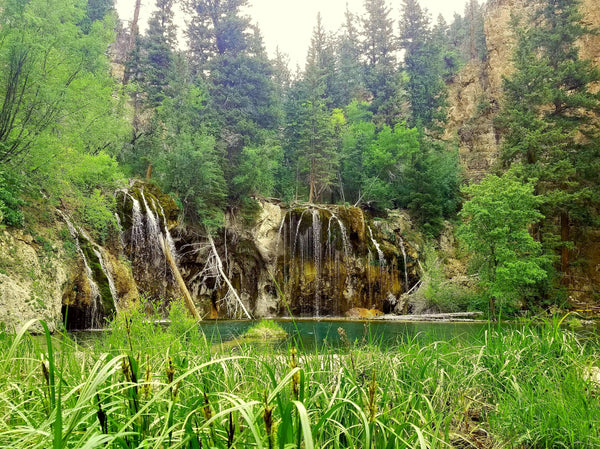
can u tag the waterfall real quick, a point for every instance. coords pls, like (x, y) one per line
(137, 223)
(376, 244)
(316, 226)
(406, 286)
(95, 295)
(345, 241)
(332, 264)
(153, 236)
(168, 236)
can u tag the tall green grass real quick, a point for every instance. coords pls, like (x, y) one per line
(145, 386)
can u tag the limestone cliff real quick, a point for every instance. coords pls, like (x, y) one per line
(475, 97)
(53, 269)
(475, 93)
(33, 279)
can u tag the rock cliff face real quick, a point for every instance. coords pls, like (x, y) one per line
(475, 97)
(475, 94)
(309, 260)
(33, 279)
(60, 272)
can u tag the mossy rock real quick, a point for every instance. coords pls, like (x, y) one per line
(265, 330)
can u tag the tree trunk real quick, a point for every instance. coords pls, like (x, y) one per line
(312, 181)
(564, 253)
(132, 37)
(149, 171)
(175, 270)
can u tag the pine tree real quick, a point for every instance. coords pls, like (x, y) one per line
(550, 120)
(227, 54)
(311, 130)
(156, 52)
(379, 46)
(349, 73)
(424, 67)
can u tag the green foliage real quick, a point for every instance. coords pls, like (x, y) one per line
(424, 67)
(112, 392)
(97, 211)
(549, 122)
(440, 293)
(184, 157)
(10, 202)
(497, 217)
(430, 188)
(265, 329)
(257, 170)
(53, 77)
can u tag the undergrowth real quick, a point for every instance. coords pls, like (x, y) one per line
(151, 386)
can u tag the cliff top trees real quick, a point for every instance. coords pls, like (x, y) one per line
(226, 52)
(379, 47)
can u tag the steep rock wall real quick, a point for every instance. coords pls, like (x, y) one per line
(475, 97)
(33, 278)
(475, 93)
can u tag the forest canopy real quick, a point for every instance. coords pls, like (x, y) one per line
(206, 114)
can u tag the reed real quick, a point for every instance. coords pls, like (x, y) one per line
(153, 387)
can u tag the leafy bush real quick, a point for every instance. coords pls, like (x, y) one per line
(10, 203)
(98, 213)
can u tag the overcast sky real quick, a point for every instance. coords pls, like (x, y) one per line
(288, 24)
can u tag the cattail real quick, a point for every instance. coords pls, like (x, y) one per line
(372, 393)
(170, 371)
(126, 368)
(230, 431)
(268, 418)
(206, 409)
(296, 375)
(147, 387)
(45, 372)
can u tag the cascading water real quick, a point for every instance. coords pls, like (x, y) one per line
(403, 249)
(377, 247)
(324, 264)
(99, 306)
(316, 237)
(151, 249)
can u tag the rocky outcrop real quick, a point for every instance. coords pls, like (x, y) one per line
(55, 272)
(475, 93)
(307, 260)
(33, 279)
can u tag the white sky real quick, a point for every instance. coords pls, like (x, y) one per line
(288, 24)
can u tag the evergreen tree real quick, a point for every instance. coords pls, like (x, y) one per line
(227, 53)
(310, 128)
(321, 63)
(349, 74)
(451, 58)
(186, 160)
(96, 10)
(379, 46)
(156, 53)
(549, 120)
(424, 67)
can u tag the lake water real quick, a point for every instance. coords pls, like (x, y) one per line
(311, 333)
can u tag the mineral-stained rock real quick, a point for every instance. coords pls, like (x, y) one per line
(32, 281)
